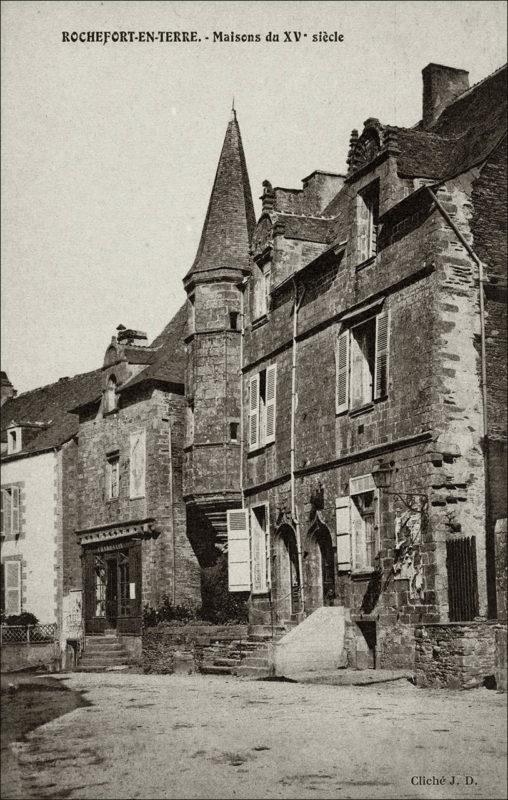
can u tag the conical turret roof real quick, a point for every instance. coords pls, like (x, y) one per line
(230, 218)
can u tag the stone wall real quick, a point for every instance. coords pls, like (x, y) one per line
(177, 648)
(45, 656)
(457, 655)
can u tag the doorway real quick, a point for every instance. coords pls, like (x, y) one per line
(112, 584)
(319, 568)
(287, 585)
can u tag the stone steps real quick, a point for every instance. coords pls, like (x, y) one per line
(103, 653)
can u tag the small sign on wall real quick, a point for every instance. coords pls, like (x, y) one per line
(132, 591)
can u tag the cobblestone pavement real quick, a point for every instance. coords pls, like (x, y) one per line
(160, 736)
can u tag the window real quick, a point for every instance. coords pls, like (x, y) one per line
(248, 549)
(100, 586)
(137, 464)
(189, 428)
(233, 431)
(192, 313)
(13, 440)
(262, 407)
(367, 222)
(112, 476)
(110, 395)
(11, 587)
(362, 363)
(357, 526)
(9, 515)
(233, 320)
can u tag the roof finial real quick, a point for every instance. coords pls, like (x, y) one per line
(233, 110)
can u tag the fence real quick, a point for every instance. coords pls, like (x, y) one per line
(28, 634)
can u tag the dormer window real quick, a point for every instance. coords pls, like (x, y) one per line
(262, 282)
(110, 395)
(367, 215)
(13, 440)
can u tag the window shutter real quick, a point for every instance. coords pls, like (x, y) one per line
(343, 533)
(382, 347)
(238, 551)
(271, 400)
(15, 510)
(6, 512)
(254, 412)
(342, 373)
(258, 552)
(2, 511)
(12, 587)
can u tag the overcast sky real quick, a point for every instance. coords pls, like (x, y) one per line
(109, 151)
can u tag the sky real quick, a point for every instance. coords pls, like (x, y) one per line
(109, 151)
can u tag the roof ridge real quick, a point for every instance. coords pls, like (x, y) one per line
(475, 85)
(54, 383)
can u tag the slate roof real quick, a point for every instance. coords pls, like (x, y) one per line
(463, 135)
(168, 356)
(230, 218)
(50, 404)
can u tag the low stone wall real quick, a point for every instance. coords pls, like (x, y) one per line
(458, 655)
(41, 655)
(395, 646)
(501, 658)
(167, 648)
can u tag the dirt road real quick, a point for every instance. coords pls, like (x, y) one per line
(200, 736)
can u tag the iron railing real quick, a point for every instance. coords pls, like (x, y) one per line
(28, 634)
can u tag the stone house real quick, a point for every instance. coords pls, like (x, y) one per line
(328, 406)
(39, 554)
(373, 357)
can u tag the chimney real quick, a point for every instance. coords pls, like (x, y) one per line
(129, 336)
(441, 85)
(7, 389)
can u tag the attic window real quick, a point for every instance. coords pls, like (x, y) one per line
(367, 213)
(13, 440)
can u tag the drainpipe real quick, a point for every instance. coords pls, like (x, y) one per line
(242, 335)
(294, 515)
(491, 595)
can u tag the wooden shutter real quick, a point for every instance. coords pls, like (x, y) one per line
(342, 373)
(382, 348)
(15, 510)
(254, 412)
(12, 587)
(271, 400)
(3, 505)
(238, 551)
(259, 552)
(343, 533)
(6, 512)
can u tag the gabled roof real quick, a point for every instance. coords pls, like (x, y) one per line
(230, 218)
(50, 405)
(168, 357)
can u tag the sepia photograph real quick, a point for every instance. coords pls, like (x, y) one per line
(254, 399)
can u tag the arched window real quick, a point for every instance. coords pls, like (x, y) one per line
(110, 395)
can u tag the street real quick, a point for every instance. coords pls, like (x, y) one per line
(197, 736)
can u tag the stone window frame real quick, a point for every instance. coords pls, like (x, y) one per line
(367, 223)
(21, 527)
(112, 466)
(261, 290)
(381, 320)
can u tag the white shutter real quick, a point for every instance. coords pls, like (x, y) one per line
(342, 373)
(238, 551)
(343, 533)
(15, 510)
(254, 412)
(271, 400)
(382, 347)
(12, 587)
(4, 516)
(258, 552)
(7, 513)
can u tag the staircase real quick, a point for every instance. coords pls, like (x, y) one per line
(103, 653)
(247, 658)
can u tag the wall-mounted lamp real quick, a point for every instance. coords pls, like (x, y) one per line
(382, 477)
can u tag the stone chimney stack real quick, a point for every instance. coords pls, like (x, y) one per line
(7, 388)
(441, 85)
(129, 336)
